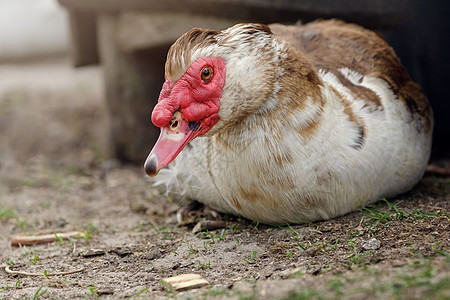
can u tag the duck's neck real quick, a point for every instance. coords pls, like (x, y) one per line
(296, 103)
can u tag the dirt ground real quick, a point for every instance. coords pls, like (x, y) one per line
(56, 177)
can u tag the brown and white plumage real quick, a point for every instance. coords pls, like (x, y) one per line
(314, 121)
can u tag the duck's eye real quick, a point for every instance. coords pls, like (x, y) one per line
(174, 125)
(207, 73)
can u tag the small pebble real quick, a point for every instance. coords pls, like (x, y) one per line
(122, 252)
(155, 254)
(92, 253)
(372, 244)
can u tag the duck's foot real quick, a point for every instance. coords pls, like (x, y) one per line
(192, 213)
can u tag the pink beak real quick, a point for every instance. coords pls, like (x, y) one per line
(172, 139)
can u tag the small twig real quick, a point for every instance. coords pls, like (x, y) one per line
(440, 169)
(360, 222)
(16, 241)
(208, 225)
(11, 272)
(431, 207)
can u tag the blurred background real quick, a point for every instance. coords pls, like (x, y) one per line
(31, 29)
(88, 72)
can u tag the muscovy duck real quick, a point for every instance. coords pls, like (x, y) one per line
(287, 124)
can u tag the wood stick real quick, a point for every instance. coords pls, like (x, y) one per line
(442, 169)
(19, 240)
(11, 272)
(185, 281)
(208, 225)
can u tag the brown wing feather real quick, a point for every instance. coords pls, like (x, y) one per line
(334, 44)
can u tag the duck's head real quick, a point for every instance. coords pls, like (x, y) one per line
(213, 80)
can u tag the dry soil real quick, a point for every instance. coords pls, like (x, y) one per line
(55, 176)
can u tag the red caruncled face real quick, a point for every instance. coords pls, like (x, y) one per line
(186, 109)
